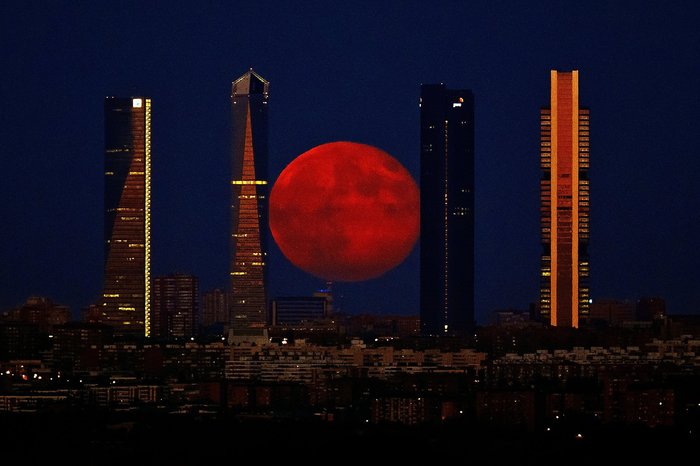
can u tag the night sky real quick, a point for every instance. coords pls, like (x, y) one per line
(350, 72)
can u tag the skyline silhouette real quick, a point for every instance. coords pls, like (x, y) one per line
(350, 72)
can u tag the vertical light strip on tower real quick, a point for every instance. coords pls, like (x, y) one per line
(584, 206)
(545, 211)
(554, 188)
(574, 200)
(147, 228)
(446, 213)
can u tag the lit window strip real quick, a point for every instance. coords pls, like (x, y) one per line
(239, 182)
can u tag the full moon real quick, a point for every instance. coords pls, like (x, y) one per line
(345, 211)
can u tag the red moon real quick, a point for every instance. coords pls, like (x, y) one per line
(345, 211)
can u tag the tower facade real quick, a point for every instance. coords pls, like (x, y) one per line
(447, 210)
(564, 204)
(249, 205)
(125, 302)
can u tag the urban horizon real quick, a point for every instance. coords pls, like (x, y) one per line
(77, 314)
(188, 193)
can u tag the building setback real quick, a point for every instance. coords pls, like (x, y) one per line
(447, 210)
(125, 302)
(564, 204)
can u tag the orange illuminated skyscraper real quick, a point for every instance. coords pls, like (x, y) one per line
(249, 192)
(564, 204)
(125, 302)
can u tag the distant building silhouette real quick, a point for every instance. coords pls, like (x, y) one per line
(125, 302)
(327, 294)
(514, 318)
(249, 198)
(296, 309)
(651, 308)
(215, 307)
(447, 210)
(381, 326)
(612, 311)
(20, 340)
(39, 311)
(564, 204)
(77, 345)
(175, 306)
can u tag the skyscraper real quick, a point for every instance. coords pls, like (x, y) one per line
(564, 204)
(249, 198)
(125, 302)
(175, 306)
(447, 210)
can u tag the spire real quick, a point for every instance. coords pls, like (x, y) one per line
(250, 83)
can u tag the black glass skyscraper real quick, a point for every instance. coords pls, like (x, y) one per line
(249, 198)
(447, 210)
(125, 302)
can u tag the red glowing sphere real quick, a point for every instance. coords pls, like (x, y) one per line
(345, 211)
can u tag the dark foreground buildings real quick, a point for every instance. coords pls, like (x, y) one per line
(447, 210)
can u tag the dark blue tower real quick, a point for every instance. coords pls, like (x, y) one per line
(447, 211)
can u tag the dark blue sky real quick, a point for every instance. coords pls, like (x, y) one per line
(350, 72)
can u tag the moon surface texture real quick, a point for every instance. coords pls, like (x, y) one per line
(345, 211)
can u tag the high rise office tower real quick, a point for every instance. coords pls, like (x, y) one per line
(175, 306)
(447, 210)
(249, 198)
(125, 302)
(564, 204)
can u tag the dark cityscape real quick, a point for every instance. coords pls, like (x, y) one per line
(378, 231)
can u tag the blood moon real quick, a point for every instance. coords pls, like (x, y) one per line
(345, 211)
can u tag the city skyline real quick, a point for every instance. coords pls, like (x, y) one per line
(351, 73)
